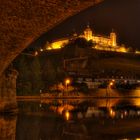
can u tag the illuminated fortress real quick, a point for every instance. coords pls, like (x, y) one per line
(108, 43)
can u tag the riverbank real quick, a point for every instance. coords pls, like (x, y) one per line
(96, 93)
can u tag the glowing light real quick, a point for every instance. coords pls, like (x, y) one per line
(136, 101)
(41, 50)
(113, 80)
(125, 113)
(122, 116)
(130, 139)
(48, 48)
(112, 113)
(58, 44)
(122, 49)
(67, 115)
(67, 82)
(36, 53)
(103, 43)
(111, 84)
(137, 52)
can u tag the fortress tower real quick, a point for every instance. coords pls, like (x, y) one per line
(113, 38)
(107, 43)
(88, 33)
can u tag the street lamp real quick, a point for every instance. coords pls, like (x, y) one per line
(67, 115)
(109, 86)
(67, 82)
(30, 54)
(36, 53)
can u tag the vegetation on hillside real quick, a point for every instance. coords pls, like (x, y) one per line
(38, 74)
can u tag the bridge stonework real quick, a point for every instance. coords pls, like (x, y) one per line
(23, 21)
(8, 90)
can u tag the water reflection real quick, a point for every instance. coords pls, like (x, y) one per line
(96, 119)
(67, 115)
(105, 108)
(131, 139)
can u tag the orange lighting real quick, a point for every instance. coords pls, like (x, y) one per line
(137, 52)
(111, 83)
(112, 113)
(67, 81)
(36, 53)
(67, 115)
(41, 50)
(48, 48)
(113, 80)
(122, 49)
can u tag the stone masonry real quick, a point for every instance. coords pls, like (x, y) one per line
(8, 90)
(23, 21)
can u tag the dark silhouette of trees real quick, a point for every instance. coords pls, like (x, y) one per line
(24, 85)
(49, 73)
(77, 47)
(37, 84)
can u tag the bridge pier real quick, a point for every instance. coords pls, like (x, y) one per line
(8, 127)
(8, 90)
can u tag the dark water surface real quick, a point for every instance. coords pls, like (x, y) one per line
(96, 119)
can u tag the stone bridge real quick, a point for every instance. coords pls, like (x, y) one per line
(23, 21)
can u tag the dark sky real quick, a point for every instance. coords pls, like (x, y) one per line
(121, 15)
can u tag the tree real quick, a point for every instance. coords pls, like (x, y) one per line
(37, 83)
(77, 47)
(23, 81)
(49, 72)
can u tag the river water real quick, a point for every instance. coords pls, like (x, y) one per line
(80, 119)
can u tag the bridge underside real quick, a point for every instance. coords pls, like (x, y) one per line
(24, 21)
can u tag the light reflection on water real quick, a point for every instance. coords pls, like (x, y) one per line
(114, 108)
(131, 139)
(92, 119)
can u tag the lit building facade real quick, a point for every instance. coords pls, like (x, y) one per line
(101, 41)
(108, 43)
(58, 44)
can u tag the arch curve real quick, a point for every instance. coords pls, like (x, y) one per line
(22, 21)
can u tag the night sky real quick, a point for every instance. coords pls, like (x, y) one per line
(121, 15)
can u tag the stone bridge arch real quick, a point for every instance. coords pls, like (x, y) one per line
(22, 21)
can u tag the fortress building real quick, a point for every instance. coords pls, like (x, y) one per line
(107, 43)
(100, 40)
